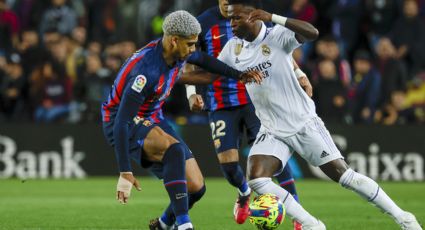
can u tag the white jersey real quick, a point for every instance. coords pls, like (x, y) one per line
(280, 103)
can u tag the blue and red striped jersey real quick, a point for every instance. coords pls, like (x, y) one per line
(156, 83)
(223, 92)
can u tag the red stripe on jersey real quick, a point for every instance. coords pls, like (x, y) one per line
(218, 91)
(242, 93)
(215, 34)
(148, 101)
(116, 99)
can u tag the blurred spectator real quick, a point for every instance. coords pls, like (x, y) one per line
(103, 18)
(345, 25)
(327, 48)
(95, 85)
(30, 12)
(9, 27)
(408, 36)
(128, 22)
(31, 51)
(12, 90)
(302, 10)
(127, 48)
(59, 17)
(74, 60)
(392, 71)
(94, 47)
(380, 17)
(51, 90)
(330, 93)
(365, 88)
(79, 34)
(398, 110)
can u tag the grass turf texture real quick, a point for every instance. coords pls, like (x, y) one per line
(90, 204)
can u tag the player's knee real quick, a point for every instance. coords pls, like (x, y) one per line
(258, 183)
(195, 185)
(256, 168)
(335, 169)
(228, 156)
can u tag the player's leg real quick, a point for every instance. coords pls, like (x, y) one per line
(266, 158)
(253, 124)
(339, 171)
(161, 147)
(285, 178)
(195, 183)
(315, 144)
(225, 134)
(196, 189)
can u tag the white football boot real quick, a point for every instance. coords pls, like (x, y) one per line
(318, 226)
(408, 221)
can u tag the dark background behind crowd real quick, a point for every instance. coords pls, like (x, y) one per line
(59, 58)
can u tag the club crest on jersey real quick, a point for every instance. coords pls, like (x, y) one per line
(139, 83)
(217, 143)
(265, 50)
(145, 122)
(238, 49)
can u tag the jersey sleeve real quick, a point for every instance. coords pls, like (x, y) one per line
(285, 38)
(213, 65)
(138, 88)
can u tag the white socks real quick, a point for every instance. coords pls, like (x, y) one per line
(370, 190)
(293, 208)
(185, 226)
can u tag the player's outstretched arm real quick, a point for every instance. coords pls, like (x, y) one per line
(304, 31)
(215, 66)
(196, 76)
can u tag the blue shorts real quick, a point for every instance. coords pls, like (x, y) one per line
(228, 125)
(137, 135)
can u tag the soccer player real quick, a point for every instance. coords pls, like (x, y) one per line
(288, 118)
(230, 111)
(133, 122)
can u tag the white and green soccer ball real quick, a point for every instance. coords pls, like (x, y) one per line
(267, 212)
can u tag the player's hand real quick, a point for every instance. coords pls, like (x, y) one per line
(196, 104)
(259, 15)
(251, 76)
(125, 182)
(305, 84)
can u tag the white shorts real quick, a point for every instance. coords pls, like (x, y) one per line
(313, 143)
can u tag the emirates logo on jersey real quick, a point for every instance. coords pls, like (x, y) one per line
(262, 67)
(265, 50)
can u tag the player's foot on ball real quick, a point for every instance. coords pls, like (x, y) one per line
(408, 222)
(297, 226)
(241, 209)
(318, 226)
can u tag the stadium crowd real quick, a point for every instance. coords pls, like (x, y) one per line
(59, 58)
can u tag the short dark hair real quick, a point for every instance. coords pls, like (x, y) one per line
(254, 3)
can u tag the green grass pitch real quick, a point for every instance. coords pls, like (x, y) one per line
(90, 204)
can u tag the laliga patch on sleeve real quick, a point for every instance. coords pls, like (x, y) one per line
(139, 83)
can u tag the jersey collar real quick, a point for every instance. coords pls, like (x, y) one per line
(259, 38)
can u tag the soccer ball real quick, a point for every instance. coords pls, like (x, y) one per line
(267, 212)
